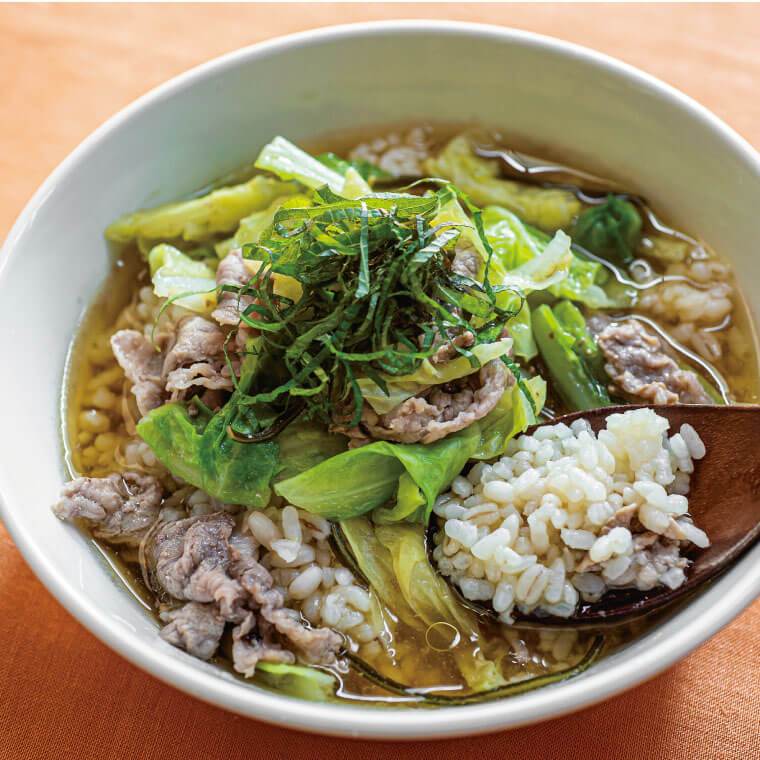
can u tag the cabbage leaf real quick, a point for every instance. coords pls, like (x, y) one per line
(366, 169)
(548, 208)
(394, 560)
(550, 267)
(200, 218)
(521, 330)
(511, 416)
(251, 227)
(304, 445)
(198, 450)
(358, 481)
(300, 681)
(524, 257)
(174, 273)
(612, 230)
(289, 162)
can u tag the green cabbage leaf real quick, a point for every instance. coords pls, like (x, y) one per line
(612, 230)
(289, 162)
(199, 450)
(531, 260)
(174, 273)
(252, 227)
(511, 416)
(304, 445)
(198, 219)
(394, 560)
(549, 209)
(358, 481)
(298, 681)
(366, 169)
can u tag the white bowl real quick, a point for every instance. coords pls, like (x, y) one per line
(602, 113)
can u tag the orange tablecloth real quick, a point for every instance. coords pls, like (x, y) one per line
(63, 694)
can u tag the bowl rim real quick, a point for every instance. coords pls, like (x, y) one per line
(357, 721)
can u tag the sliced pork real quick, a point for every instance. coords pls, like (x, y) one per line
(448, 349)
(201, 559)
(143, 366)
(193, 358)
(121, 508)
(232, 271)
(252, 642)
(197, 358)
(191, 559)
(196, 628)
(467, 263)
(638, 366)
(425, 420)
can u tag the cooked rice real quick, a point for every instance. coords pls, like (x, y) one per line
(566, 515)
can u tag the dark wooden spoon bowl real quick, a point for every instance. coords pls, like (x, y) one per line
(724, 501)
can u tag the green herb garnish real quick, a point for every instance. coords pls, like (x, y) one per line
(377, 294)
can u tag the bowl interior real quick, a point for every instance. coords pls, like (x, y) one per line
(591, 111)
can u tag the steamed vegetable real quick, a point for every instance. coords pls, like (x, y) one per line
(573, 322)
(299, 681)
(511, 416)
(365, 169)
(174, 273)
(550, 267)
(357, 481)
(550, 209)
(515, 245)
(252, 227)
(288, 161)
(304, 445)
(612, 231)
(394, 560)
(396, 389)
(664, 247)
(433, 601)
(410, 501)
(198, 450)
(572, 378)
(521, 330)
(373, 563)
(199, 218)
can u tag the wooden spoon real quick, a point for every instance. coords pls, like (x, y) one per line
(724, 501)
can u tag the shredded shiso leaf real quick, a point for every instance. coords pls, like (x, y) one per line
(378, 294)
